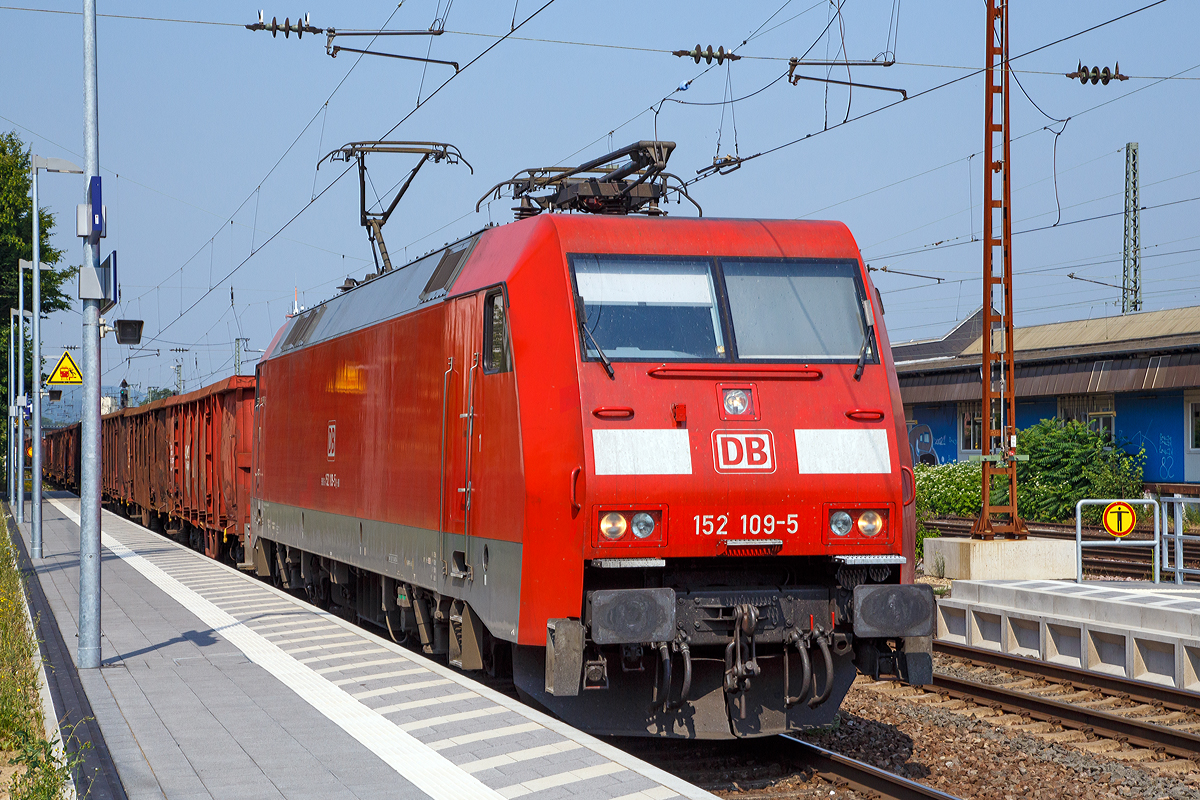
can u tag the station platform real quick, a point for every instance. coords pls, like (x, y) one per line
(214, 684)
(1137, 630)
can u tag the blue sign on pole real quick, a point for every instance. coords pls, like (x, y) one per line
(97, 209)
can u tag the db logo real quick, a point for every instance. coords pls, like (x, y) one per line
(744, 451)
(331, 448)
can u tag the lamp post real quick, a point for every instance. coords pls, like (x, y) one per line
(15, 410)
(11, 437)
(89, 439)
(20, 509)
(49, 165)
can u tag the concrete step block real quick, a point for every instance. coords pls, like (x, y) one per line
(1000, 559)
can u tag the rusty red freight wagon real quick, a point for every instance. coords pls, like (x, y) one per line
(60, 456)
(180, 465)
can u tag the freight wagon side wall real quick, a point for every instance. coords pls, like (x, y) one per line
(236, 440)
(199, 476)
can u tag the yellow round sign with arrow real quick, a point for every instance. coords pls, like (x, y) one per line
(1119, 518)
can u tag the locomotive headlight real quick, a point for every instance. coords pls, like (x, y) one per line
(870, 523)
(643, 525)
(840, 523)
(736, 402)
(613, 525)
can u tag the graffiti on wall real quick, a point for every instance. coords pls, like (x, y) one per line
(920, 439)
(1160, 452)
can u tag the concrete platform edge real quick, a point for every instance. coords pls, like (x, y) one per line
(1098, 643)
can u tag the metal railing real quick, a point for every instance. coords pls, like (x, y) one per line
(1173, 537)
(1080, 543)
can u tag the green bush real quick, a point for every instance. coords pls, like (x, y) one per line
(924, 514)
(949, 490)
(20, 706)
(1067, 463)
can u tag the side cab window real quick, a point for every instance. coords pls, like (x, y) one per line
(497, 349)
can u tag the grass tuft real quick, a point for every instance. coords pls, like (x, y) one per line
(42, 772)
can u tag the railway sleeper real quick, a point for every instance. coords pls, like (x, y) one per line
(1083, 738)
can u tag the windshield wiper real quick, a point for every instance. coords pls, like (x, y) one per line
(867, 334)
(603, 358)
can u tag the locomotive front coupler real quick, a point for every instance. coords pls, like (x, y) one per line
(827, 644)
(741, 654)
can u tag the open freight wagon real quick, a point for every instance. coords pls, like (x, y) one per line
(180, 465)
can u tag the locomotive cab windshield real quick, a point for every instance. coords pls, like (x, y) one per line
(635, 308)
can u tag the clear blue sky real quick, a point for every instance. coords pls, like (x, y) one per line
(214, 132)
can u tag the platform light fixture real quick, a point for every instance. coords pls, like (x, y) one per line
(129, 331)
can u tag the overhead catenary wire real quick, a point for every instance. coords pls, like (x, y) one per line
(602, 45)
(466, 66)
(342, 174)
(125, 16)
(656, 106)
(928, 91)
(257, 189)
(957, 241)
(950, 163)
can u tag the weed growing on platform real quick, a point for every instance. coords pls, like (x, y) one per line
(19, 708)
(46, 770)
(41, 774)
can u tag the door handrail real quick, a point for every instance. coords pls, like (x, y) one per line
(442, 481)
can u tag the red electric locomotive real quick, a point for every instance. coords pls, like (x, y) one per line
(657, 468)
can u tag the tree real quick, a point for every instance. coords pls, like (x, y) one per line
(16, 242)
(156, 393)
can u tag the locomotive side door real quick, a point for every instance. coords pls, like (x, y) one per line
(256, 478)
(462, 436)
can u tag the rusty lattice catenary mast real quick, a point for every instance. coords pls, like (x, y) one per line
(998, 412)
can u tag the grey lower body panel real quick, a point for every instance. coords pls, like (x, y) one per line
(409, 554)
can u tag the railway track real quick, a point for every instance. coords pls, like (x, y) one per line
(1118, 719)
(862, 778)
(778, 768)
(1117, 561)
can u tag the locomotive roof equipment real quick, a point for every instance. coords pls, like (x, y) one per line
(374, 221)
(600, 186)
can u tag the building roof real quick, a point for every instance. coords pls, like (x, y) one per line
(948, 346)
(1121, 332)
(1146, 351)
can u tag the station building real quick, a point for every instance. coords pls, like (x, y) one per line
(1135, 376)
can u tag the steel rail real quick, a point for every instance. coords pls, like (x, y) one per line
(1166, 696)
(961, 527)
(1180, 744)
(863, 778)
